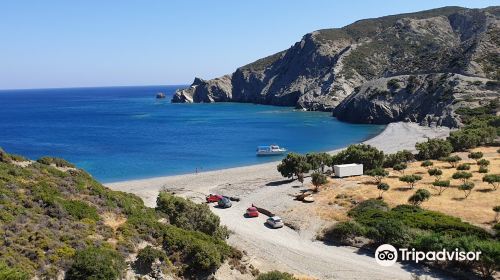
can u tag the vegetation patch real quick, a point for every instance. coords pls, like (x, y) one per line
(59, 162)
(53, 221)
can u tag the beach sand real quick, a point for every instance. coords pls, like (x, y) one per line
(396, 137)
(293, 248)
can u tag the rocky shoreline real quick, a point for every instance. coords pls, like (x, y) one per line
(416, 67)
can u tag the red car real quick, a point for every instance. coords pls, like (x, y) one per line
(252, 212)
(213, 198)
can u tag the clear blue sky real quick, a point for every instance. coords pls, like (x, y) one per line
(61, 43)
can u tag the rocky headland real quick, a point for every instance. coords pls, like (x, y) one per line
(410, 67)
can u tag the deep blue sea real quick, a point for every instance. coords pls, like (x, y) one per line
(120, 133)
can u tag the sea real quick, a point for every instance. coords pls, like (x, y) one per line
(124, 133)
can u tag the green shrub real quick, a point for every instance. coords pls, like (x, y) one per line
(493, 180)
(7, 158)
(382, 187)
(427, 163)
(275, 275)
(480, 130)
(378, 173)
(368, 205)
(198, 250)
(483, 162)
(343, 232)
(17, 157)
(436, 172)
(367, 155)
(475, 155)
(293, 165)
(80, 210)
(46, 192)
(466, 188)
(59, 162)
(462, 175)
(59, 216)
(318, 179)
(390, 231)
(400, 157)
(452, 160)
(489, 262)
(188, 215)
(11, 273)
(483, 169)
(464, 139)
(467, 112)
(410, 179)
(433, 149)
(318, 161)
(369, 213)
(146, 257)
(442, 185)
(96, 263)
(400, 167)
(419, 196)
(463, 166)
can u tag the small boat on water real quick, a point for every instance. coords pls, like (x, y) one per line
(160, 95)
(272, 150)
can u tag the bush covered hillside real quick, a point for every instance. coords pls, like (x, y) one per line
(56, 220)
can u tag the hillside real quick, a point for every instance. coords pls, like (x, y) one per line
(56, 221)
(326, 66)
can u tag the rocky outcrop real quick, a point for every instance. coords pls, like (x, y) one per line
(429, 99)
(201, 91)
(326, 66)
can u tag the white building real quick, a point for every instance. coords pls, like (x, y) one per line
(346, 170)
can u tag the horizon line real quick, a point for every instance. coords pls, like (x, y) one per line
(90, 87)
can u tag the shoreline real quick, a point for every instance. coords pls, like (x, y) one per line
(205, 170)
(293, 249)
(395, 137)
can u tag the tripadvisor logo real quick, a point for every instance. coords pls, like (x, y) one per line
(387, 255)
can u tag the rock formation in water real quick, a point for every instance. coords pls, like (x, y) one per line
(441, 59)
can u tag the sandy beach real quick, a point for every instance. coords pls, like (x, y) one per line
(396, 136)
(294, 250)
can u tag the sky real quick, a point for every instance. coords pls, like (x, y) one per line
(83, 43)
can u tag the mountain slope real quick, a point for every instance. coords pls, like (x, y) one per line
(56, 220)
(328, 65)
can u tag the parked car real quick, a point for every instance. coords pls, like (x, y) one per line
(224, 202)
(252, 212)
(213, 198)
(275, 222)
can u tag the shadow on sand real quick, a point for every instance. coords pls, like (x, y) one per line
(280, 182)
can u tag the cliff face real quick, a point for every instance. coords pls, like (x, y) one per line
(326, 66)
(426, 99)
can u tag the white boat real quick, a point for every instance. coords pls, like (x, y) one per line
(271, 150)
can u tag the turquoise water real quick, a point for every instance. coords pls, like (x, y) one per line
(121, 133)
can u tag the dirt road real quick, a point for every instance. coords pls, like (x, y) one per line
(290, 251)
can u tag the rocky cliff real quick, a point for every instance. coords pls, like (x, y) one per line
(428, 99)
(328, 66)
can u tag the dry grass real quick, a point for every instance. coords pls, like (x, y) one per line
(476, 209)
(112, 220)
(304, 277)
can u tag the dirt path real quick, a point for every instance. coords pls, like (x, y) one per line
(289, 250)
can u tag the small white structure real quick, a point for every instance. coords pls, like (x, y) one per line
(346, 170)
